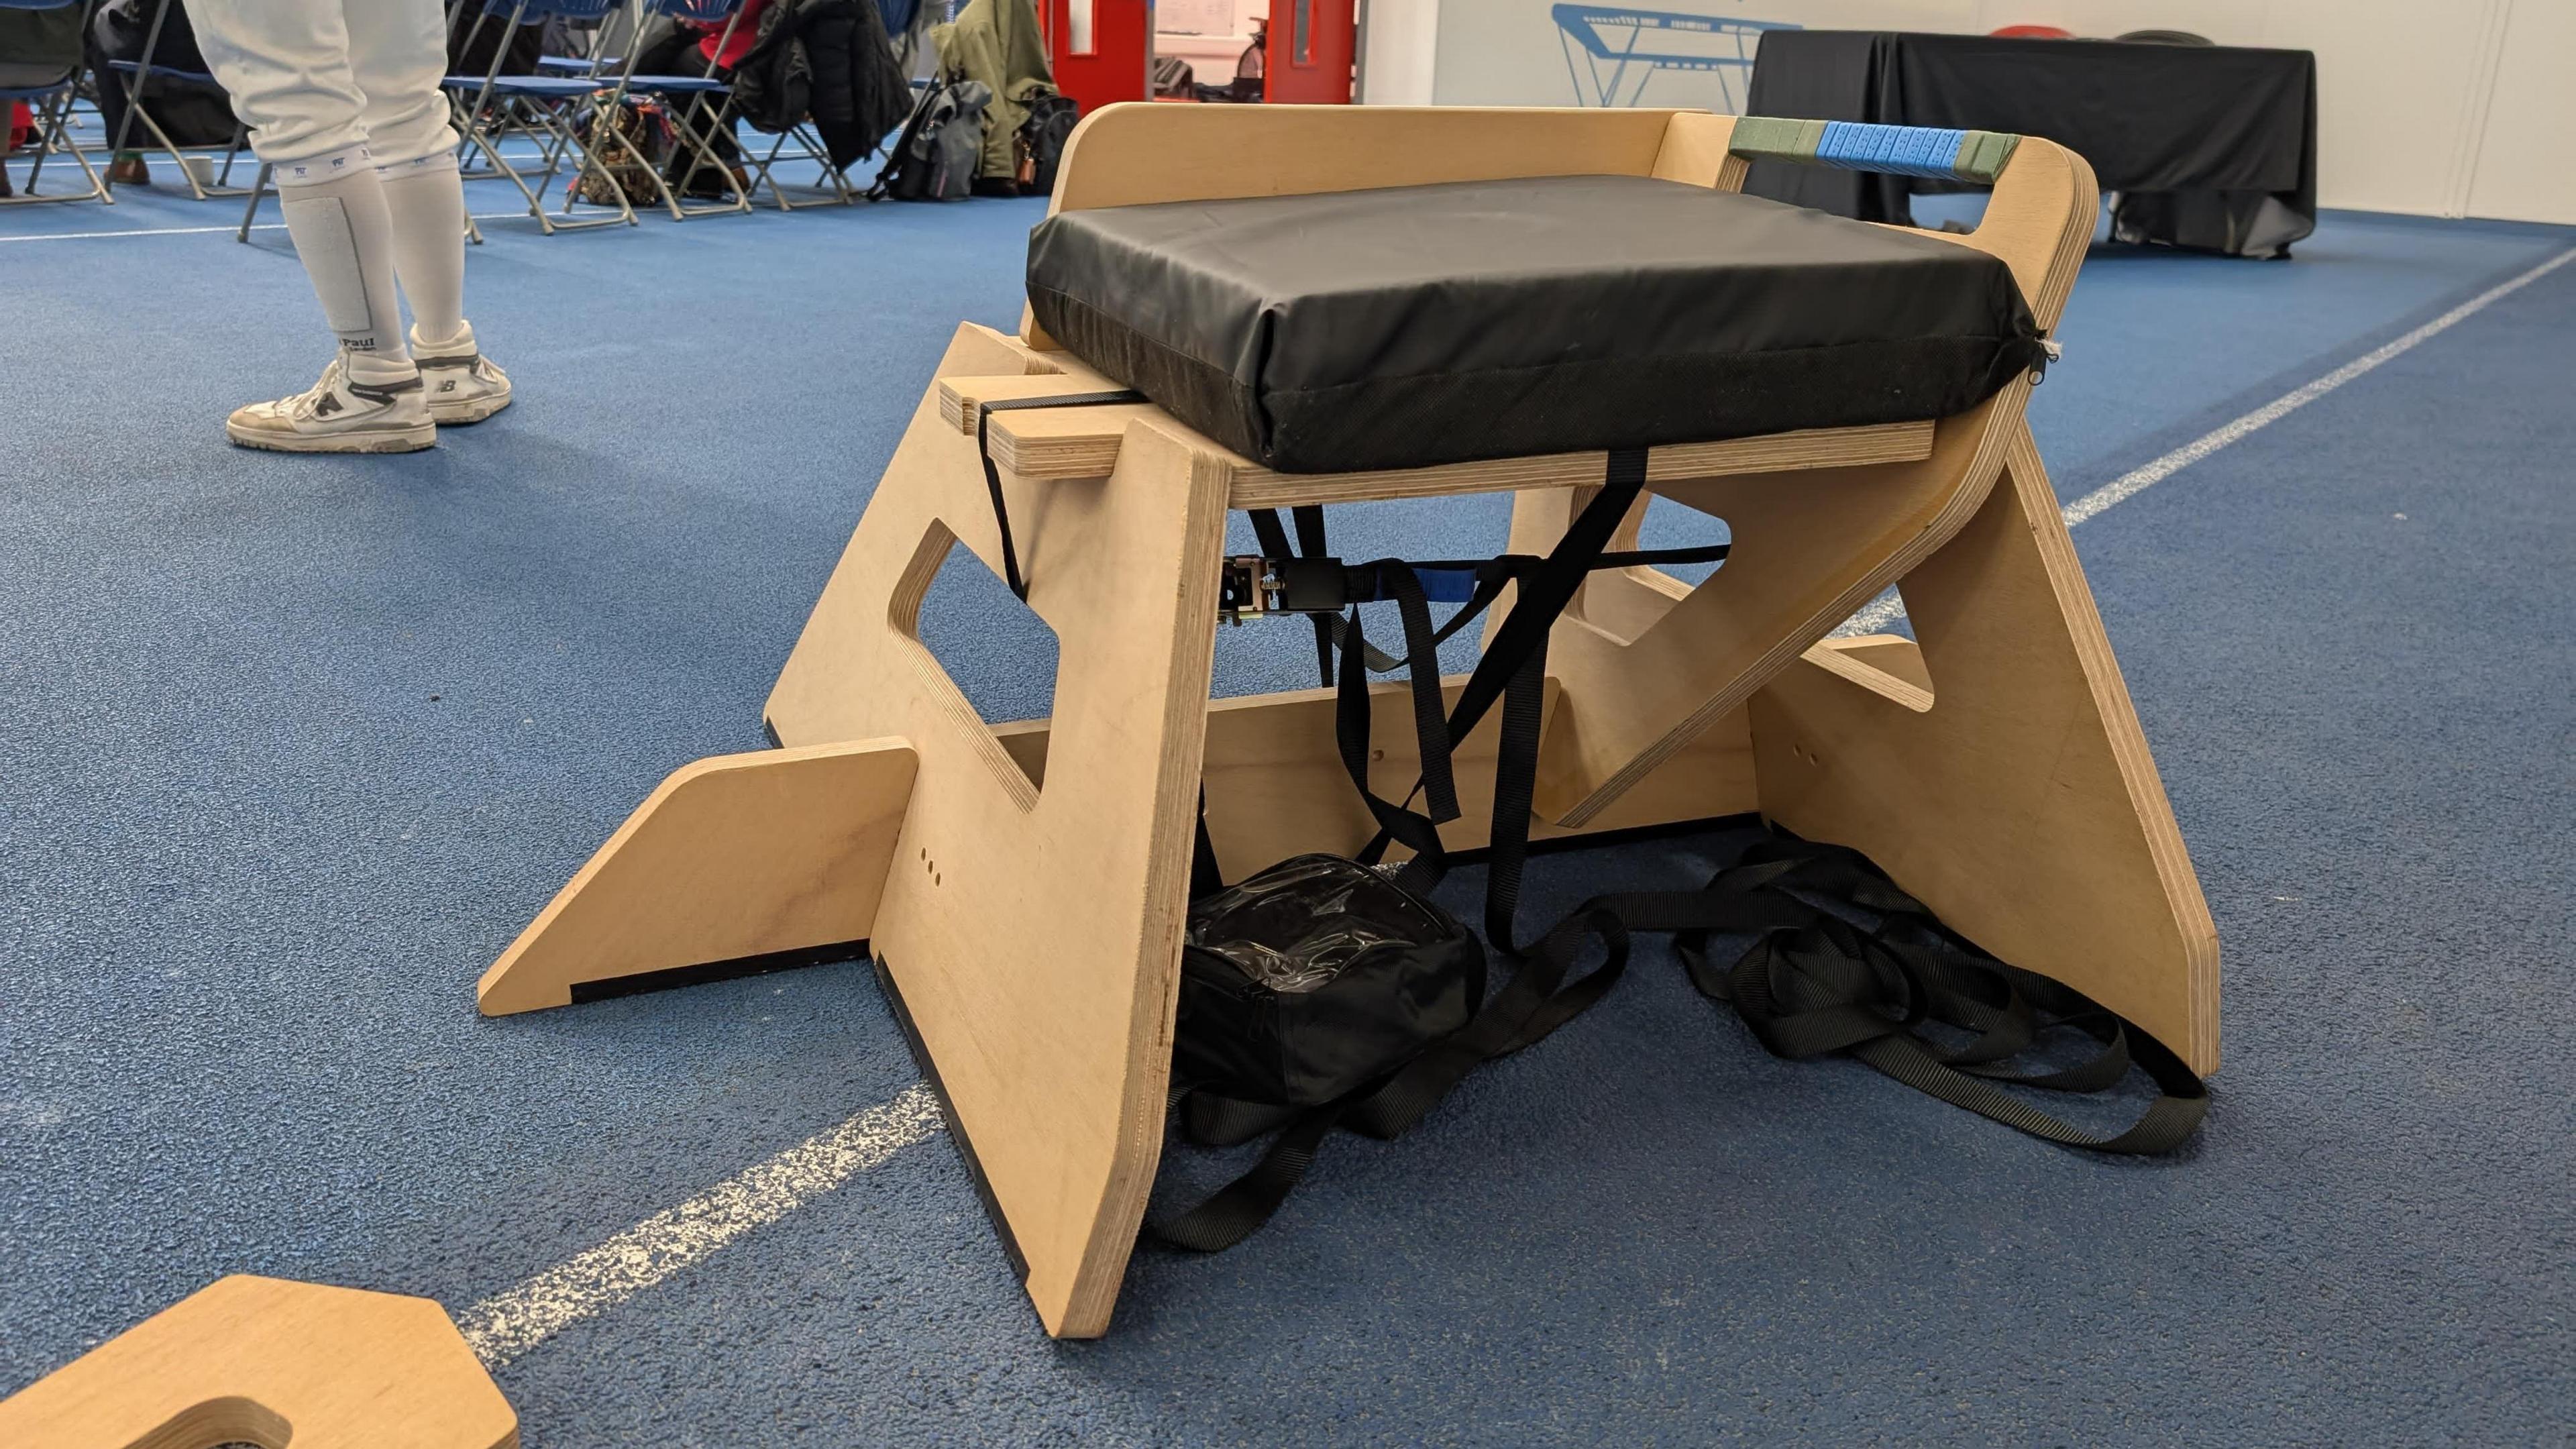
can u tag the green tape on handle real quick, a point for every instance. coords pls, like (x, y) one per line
(1868, 146)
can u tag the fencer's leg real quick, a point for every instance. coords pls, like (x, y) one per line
(371, 398)
(335, 210)
(428, 207)
(286, 66)
(398, 53)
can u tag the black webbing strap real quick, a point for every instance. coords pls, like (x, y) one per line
(1536, 1000)
(1234, 1211)
(1546, 591)
(1418, 831)
(1328, 628)
(993, 476)
(1838, 959)
(1273, 536)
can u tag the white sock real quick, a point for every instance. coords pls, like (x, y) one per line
(335, 211)
(427, 202)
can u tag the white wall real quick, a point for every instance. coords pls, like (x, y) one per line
(1398, 39)
(2437, 108)
(2526, 159)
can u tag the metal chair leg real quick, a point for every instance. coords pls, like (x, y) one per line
(258, 189)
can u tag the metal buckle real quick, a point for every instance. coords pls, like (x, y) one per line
(1248, 587)
(1252, 587)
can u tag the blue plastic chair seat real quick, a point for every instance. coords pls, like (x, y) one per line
(693, 84)
(573, 63)
(526, 85)
(34, 93)
(161, 72)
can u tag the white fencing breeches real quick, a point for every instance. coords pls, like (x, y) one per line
(312, 78)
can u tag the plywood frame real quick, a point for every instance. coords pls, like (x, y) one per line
(1029, 910)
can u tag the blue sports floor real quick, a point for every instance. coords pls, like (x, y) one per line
(291, 747)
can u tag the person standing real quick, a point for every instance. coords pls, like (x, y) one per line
(343, 102)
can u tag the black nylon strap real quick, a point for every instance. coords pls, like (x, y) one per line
(1545, 591)
(1536, 1000)
(1273, 536)
(1247, 1202)
(1419, 833)
(993, 476)
(1841, 960)
(1328, 628)
(1815, 981)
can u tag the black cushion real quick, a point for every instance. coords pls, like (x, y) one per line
(1417, 325)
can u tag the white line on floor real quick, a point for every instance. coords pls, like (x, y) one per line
(1889, 608)
(509, 1323)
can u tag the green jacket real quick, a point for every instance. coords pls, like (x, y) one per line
(997, 42)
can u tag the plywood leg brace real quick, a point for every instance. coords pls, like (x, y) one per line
(266, 1361)
(1024, 887)
(1998, 772)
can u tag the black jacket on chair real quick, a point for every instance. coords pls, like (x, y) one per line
(195, 113)
(828, 61)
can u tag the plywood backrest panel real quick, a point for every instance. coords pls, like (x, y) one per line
(1139, 152)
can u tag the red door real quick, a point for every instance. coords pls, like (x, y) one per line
(1311, 45)
(1103, 49)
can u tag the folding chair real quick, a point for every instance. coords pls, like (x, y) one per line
(717, 97)
(1023, 888)
(809, 147)
(553, 106)
(135, 76)
(505, 125)
(704, 96)
(51, 103)
(601, 50)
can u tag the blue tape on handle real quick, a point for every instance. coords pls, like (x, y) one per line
(1893, 150)
(1930, 151)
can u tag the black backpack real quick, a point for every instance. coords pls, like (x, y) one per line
(942, 145)
(1042, 136)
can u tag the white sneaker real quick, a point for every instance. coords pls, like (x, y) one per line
(339, 415)
(461, 384)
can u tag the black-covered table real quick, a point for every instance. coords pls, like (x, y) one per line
(2210, 147)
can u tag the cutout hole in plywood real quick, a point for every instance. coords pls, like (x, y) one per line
(1625, 603)
(1673, 525)
(230, 1422)
(991, 650)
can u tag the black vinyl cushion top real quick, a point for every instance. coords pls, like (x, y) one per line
(1416, 325)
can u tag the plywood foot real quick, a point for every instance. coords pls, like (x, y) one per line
(266, 1361)
(730, 859)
